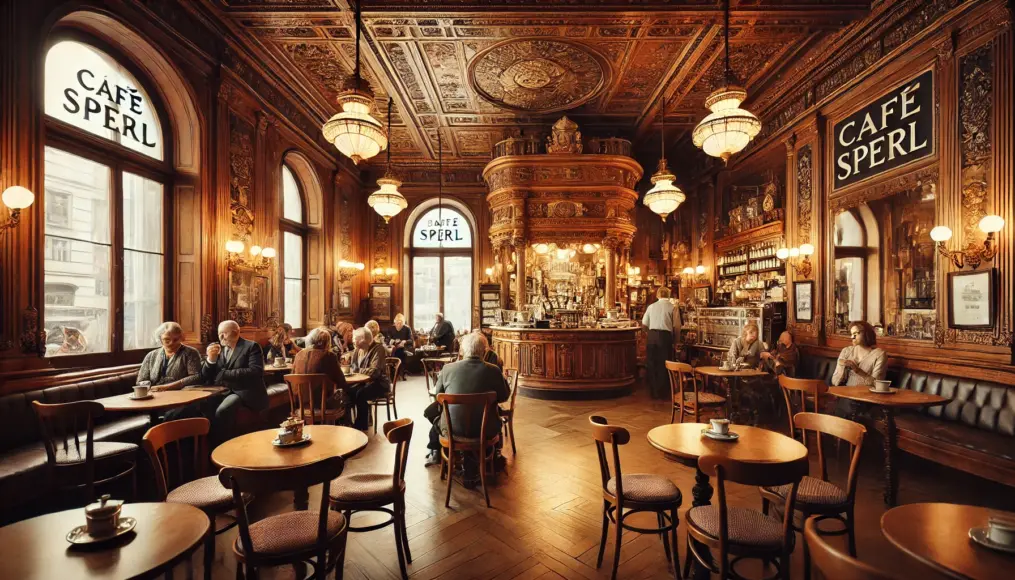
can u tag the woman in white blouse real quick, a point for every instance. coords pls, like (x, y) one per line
(862, 363)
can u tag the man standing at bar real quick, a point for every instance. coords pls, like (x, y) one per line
(662, 319)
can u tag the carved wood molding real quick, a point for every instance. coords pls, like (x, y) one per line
(769, 230)
(804, 193)
(926, 176)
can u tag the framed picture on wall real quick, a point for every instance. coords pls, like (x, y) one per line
(803, 301)
(380, 302)
(703, 295)
(971, 299)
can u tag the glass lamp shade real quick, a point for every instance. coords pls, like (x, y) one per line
(489, 271)
(941, 234)
(387, 201)
(699, 269)
(355, 133)
(688, 270)
(664, 198)
(806, 250)
(268, 253)
(255, 250)
(728, 128)
(541, 249)
(991, 224)
(589, 249)
(234, 246)
(794, 252)
(17, 197)
(782, 253)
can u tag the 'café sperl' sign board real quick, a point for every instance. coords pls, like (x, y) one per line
(894, 130)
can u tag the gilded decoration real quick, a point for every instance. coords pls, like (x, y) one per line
(538, 75)
(381, 243)
(565, 137)
(974, 121)
(804, 192)
(241, 171)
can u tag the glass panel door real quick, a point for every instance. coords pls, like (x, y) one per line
(426, 298)
(458, 292)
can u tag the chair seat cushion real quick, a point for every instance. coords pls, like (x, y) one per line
(370, 487)
(100, 449)
(705, 398)
(290, 532)
(957, 434)
(745, 526)
(813, 491)
(646, 487)
(206, 493)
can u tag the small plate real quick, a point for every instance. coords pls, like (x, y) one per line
(80, 535)
(890, 391)
(979, 535)
(144, 398)
(277, 443)
(731, 436)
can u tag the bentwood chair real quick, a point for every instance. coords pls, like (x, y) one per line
(833, 564)
(635, 492)
(687, 395)
(81, 465)
(375, 491)
(304, 389)
(743, 532)
(301, 536)
(166, 446)
(485, 445)
(507, 410)
(797, 393)
(431, 370)
(820, 497)
(394, 367)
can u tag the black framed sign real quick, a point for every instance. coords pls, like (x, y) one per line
(380, 302)
(894, 130)
(803, 301)
(972, 303)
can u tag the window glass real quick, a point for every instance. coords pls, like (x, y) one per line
(458, 291)
(442, 227)
(89, 90)
(292, 204)
(142, 261)
(426, 295)
(849, 276)
(292, 257)
(848, 231)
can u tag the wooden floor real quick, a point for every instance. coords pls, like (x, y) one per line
(546, 513)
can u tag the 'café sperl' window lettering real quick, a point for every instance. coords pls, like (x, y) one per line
(894, 130)
(445, 228)
(88, 89)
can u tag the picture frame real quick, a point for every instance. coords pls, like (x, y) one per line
(803, 301)
(381, 302)
(972, 299)
(703, 294)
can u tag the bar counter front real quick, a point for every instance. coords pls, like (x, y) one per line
(569, 363)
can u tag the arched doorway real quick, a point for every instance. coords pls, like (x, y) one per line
(440, 254)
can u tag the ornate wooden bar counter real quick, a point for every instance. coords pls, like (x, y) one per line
(569, 363)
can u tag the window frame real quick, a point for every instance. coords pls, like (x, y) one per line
(300, 229)
(440, 253)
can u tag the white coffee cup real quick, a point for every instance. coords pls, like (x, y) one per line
(1001, 530)
(141, 390)
(721, 426)
(279, 361)
(883, 386)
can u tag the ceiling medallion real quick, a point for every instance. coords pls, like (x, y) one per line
(538, 75)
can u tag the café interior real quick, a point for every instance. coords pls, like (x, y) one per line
(738, 273)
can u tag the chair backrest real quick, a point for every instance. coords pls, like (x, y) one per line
(794, 390)
(399, 433)
(680, 374)
(431, 369)
(614, 436)
(394, 365)
(487, 400)
(835, 564)
(301, 396)
(61, 424)
(851, 432)
(265, 481)
(512, 379)
(159, 443)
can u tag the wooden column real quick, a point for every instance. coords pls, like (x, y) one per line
(520, 299)
(504, 257)
(611, 277)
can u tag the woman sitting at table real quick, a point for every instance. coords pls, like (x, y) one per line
(861, 363)
(368, 359)
(317, 358)
(280, 344)
(746, 346)
(173, 366)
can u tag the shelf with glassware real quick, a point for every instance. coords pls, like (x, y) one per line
(715, 328)
(489, 304)
(751, 273)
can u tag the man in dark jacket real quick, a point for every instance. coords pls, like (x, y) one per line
(238, 365)
(442, 333)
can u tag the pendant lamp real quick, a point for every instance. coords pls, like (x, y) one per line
(388, 201)
(664, 198)
(355, 133)
(728, 128)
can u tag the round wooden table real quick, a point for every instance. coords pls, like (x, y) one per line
(889, 403)
(937, 534)
(160, 400)
(166, 534)
(270, 368)
(255, 451)
(684, 443)
(728, 378)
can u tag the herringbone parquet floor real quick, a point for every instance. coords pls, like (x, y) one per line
(546, 512)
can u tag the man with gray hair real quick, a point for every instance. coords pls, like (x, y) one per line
(469, 375)
(662, 319)
(442, 333)
(237, 364)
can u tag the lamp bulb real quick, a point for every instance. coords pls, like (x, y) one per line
(941, 234)
(991, 224)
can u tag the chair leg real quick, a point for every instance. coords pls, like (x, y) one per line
(807, 561)
(387, 409)
(851, 532)
(689, 555)
(673, 540)
(405, 534)
(209, 550)
(451, 471)
(616, 550)
(664, 535)
(673, 413)
(482, 475)
(399, 524)
(395, 407)
(681, 412)
(511, 429)
(375, 418)
(602, 537)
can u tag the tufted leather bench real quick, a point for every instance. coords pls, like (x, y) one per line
(974, 433)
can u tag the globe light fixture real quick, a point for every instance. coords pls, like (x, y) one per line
(972, 255)
(664, 198)
(541, 249)
(234, 246)
(268, 253)
(16, 198)
(388, 201)
(699, 269)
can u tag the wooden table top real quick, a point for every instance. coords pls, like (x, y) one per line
(356, 378)
(159, 401)
(717, 372)
(901, 398)
(270, 368)
(37, 549)
(255, 451)
(756, 445)
(937, 534)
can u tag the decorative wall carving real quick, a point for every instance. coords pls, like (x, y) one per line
(974, 121)
(382, 244)
(207, 329)
(31, 338)
(241, 176)
(925, 177)
(804, 191)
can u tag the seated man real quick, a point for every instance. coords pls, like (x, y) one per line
(442, 333)
(469, 375)
(783, 358)
(399, 338)
(368, 359)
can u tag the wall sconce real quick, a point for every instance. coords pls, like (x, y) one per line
(259, 259)
(973, 255)
(384, 274)
(799, 258)
(691, 276)
(16, 198)
(489, 275)
(348, 270)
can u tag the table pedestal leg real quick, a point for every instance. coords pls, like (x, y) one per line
(301, 498)
(891, 492)
(701, 494)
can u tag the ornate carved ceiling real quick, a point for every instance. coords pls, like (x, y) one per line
(483, 70)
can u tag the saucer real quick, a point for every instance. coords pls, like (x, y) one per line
(979, 535)
(277, 443)
(890, 391)
(731, 436)
(144, 398)
(80, 535)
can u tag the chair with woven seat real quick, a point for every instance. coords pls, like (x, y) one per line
(301, 536)
(820, 497)
(797, 393)
(394, 367)
(636, 492)
(507, 410)
(687, 395)
(73, 464)
(303, 389)
(484, 445)
(203, 492)
(738, 531)
(832, 563)
(375, 491)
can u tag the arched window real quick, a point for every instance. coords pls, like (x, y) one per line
(441, 257)
(855, 286)
(104, 205)
(293, 227)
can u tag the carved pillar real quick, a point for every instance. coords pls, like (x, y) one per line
(504, 257)
(520, 298)
(611, 277)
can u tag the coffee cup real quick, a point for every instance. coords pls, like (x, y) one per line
(102, 517)
(279, 361)
(1001, 530)
(346, 369)
(141, 390)
(721, 426)
(883, 386)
